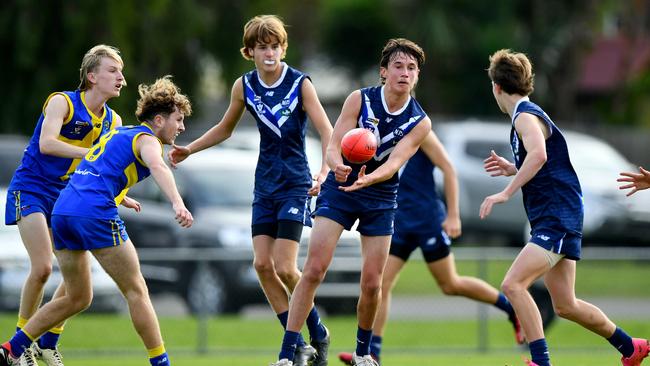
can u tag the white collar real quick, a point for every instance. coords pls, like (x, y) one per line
(399, 111)
(277, 82)
(514, 111)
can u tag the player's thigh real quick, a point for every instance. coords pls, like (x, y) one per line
(530, 264)
(76, 272)
(393, 267)
(560, 282)
(374, 253)
(36, 238)
(121, 263)
(443, 270)
(322, 242)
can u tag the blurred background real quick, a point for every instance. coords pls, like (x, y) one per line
(592, 75)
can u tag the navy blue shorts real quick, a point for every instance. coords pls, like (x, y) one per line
(434, 244)
(21, 203)
(85, 233)
(268, 210)
(345, 209)
(558, 241)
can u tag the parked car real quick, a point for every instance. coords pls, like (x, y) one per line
(12, 148)
(14, 269)
(216, 271)
(610, 216)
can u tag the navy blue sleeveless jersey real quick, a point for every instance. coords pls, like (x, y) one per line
(282, 169)
(553, 197)
(48, 174)
(419, 209)
(108, 169)
(389, 129)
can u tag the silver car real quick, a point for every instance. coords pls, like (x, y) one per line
(610, 217)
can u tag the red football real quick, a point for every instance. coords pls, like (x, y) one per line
(358, 145)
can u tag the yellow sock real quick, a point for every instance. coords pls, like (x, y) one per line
(155, 352)
(21, 322)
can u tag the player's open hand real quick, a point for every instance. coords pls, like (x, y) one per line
(341, 173)
(635, 181)
(362, 181)
(183, 216)
(129, 202)
(177, 154)
(496, 165)
(315, 186)
(490, 201)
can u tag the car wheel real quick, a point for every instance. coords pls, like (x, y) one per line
(206, 291)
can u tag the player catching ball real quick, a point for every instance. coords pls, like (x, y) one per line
(553, 201)
(365, 192)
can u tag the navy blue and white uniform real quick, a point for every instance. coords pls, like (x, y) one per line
(39, 178)
(282, 176)
(553, 197)
(374, 206)
(85, 215)
(420, 212)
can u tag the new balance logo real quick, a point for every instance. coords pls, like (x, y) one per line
(293, 211)
(543, 237)
(269, 93)
(388, 119)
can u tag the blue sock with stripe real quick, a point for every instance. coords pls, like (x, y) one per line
(19, 343)
(363, 341)
(317, 331)
(539, 352)
(622, 342)
(289, 342)
(375, 346)
(503, 304)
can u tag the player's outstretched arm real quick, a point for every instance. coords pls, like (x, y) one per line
(436, 152)
(218, 133)
(314, 109)
(56, 112)
(150, 151)
(402, 152)
(635, 181)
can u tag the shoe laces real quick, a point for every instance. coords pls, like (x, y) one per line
(28, 358)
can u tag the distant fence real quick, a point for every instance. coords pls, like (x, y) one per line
(481, 255)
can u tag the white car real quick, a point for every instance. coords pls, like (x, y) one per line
(14, 269)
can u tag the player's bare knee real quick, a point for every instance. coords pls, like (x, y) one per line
(314, 274)
(264, 267)
(510, 287)
(371, 288)
(565, 310)
(40, 273)
(288, 275)
(79, 301)
(449, 288)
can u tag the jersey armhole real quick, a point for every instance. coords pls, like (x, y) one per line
(70, 106)
(135, 150)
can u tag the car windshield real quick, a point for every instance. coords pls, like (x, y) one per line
(583, 151)
(235, 186)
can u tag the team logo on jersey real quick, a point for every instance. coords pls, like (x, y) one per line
(398, 132)
(257, 98)
(286, 102)
(373, 120)
(285, 111)
(269, 93)
(259, 107)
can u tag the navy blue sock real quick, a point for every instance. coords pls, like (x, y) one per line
(316, 329)
(284, 317)
(161, 360)
(539, 352)
(375, 346)
(289, 342)
(622, 342)
(363, 341)
(503, 304)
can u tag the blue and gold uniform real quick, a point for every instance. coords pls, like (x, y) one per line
(282, 176)
(38, 180)
(553, 197)
(374, 205)
(85, 215)
(420, 212)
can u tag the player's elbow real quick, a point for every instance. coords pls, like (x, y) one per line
(47, 147)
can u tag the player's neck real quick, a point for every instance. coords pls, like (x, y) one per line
(509, 102)
(395, 101)
(271, 77)
(95, 101)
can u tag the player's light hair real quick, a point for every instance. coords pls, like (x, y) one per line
(161, 98)
(396, 46)
(264, 29)
(92, 59)
(512, 71)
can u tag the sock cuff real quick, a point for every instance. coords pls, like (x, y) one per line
(56, 330)
(21, 322)
(157, 351)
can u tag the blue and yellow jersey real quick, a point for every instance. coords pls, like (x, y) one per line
(47, 174)
(553, 197)
(106, 172)
(389, 129)
(282, 170)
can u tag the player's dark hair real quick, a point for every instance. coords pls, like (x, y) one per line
(161, 97)
(396, 46)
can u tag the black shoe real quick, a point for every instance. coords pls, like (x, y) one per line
(5, 357)
(303, 355)
(322, 348)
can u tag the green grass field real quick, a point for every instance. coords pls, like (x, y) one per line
(110, 339)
